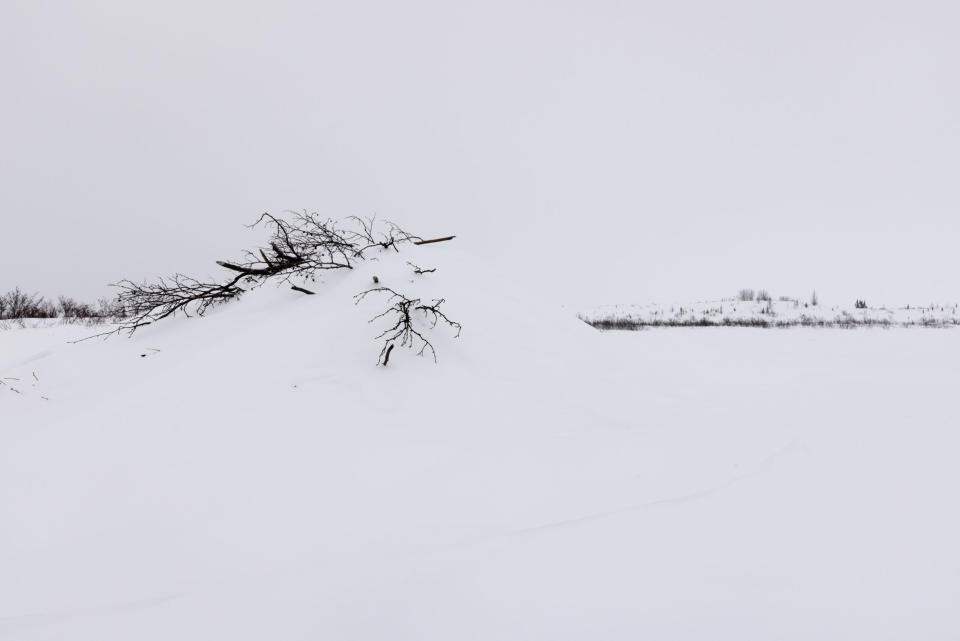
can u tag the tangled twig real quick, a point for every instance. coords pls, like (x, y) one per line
(404, 331)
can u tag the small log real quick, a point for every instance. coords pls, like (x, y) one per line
(434, 240)
(302, 290)
(386, 357)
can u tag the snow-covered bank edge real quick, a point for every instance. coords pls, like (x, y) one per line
(611, 324)
(768, 314)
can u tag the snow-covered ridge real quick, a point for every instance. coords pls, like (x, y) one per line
(784, 312)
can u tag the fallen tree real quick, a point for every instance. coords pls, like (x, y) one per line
(297, 249)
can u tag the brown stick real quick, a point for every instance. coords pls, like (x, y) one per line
(265, 271)
(434, 240)
(417, 269)
(301, 289)
(242, 269)
(386, 357)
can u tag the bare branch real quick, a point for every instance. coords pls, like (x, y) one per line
(434, 240)
(301, 290)
(366, 237)
(150, 302)
(419, 270)
(404, 331)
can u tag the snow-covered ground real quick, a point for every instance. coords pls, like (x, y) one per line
(253, 475)
(789, 312)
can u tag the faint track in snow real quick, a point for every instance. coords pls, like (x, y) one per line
(10, 623)
(674, 500)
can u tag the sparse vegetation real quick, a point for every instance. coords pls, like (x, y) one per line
(785, 313)
(841, 322)
(19, 305)
(746, 295)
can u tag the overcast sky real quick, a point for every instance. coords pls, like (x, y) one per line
(611, 151)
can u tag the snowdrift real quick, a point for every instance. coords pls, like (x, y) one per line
(252, 474)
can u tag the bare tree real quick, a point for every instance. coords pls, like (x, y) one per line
(403, 314)
(110, 308)
(71, 309)
(18, 304)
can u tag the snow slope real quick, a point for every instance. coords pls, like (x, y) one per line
(253, 475)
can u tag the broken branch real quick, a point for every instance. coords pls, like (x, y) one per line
(434, 240)
(301, 290)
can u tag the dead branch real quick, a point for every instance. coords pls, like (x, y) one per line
(269, 270)
(148, 303)
(419, 270)
(434, 240)
(366, 237)
(302, 245)
(301, 290)
(404, 330)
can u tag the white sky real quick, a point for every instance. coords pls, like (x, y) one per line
(610, 151)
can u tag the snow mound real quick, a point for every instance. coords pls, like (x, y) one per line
(253, 474)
